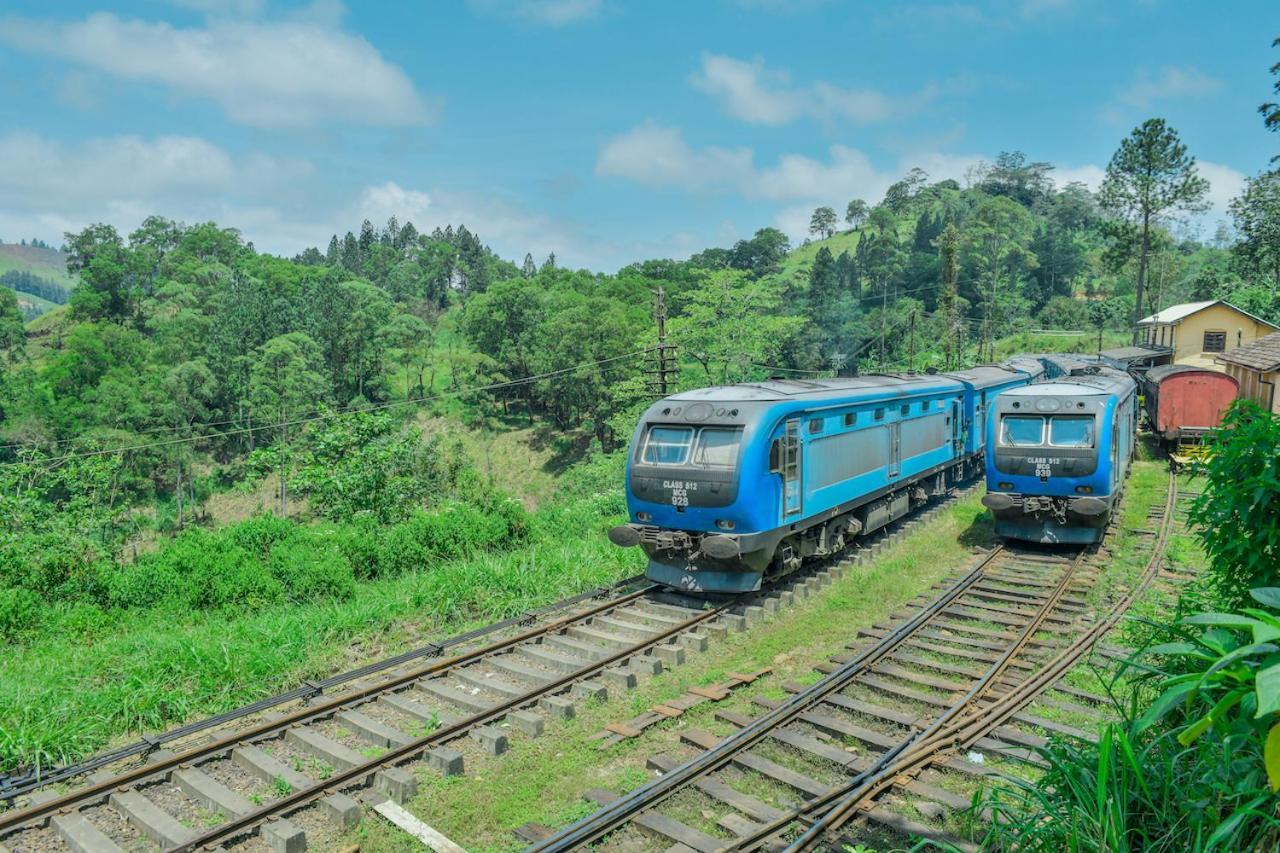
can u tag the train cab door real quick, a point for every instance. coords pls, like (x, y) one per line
(785, 461)
(895, 449)
(954, 420)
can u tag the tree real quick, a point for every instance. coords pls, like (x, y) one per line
(824, 286)
(13, 334)
(1270, 111)
(1256, 213)
(948, 244)
(1012, 176)
(530, 269)
(823, 222)
(189, 389)
(1150, 175)
(856, 213)
(997, 241)
(762, 254)
(549, 265)
(286, 382)
(730, 323)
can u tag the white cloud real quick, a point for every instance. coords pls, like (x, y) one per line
(1089, 175)
(230, 8)
(1170, 83)
(553, 13)
(659, 157)
(294, 73)
(754, 93)
(1225, 183)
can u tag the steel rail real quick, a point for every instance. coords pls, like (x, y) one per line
(977, 722)
(16, 818)
(16, 784)
(410, 751)
(615, 814)
(922, 742)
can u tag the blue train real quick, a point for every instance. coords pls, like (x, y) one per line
(1060, 451)
(732, 484)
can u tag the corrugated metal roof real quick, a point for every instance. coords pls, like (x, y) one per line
(1175, 313)
(1262, 354)
(1178, 313)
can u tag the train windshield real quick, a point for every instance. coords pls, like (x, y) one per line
(1021, 431)
(667, 445)
(717, 448)
(1071, 432)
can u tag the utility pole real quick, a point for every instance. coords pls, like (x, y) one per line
(911, 359)
(664, 376)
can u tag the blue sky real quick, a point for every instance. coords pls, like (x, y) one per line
(603, 130)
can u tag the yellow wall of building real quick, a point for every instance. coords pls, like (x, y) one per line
(1253, 385)
(1187, 336)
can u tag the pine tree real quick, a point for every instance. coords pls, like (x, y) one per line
(391, 234)
(549, 264)
(1151, 173)
(331, 257)
(367, 238)
(530, 269)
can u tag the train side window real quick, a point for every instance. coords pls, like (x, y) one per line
(879, 414)
(1021, 430)
(905, 410)
(775, 456)
(850, 418)
(668, 445)
(815, 426)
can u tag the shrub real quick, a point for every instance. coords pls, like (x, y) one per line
(261, 532)
(362, 545)
(20, 611)
(1236, 514)
(309, 571)
(1198, 770)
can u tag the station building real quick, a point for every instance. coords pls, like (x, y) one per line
(1256, 366)
(1201, 332)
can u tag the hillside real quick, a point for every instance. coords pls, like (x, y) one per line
(38, 275)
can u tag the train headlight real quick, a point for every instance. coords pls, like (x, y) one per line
(1006, 485)
(724, 523)
(643, 516)
(1084, 490)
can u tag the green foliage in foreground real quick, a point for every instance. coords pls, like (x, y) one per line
(1237, 513)
(1197, 770)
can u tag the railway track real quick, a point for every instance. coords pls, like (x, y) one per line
(969, 664)
(288, 777)
(217, 790)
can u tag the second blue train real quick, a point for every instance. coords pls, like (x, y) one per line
(1059, 452)
(727, 486)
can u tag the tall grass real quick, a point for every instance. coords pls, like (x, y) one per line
(92, 674)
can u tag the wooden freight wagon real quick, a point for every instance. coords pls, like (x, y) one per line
(1184, 402)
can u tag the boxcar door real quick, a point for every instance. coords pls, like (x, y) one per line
(895, 449)
(792, 501)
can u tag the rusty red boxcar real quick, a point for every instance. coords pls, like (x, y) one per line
(1184, 402)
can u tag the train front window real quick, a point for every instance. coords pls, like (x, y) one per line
(1071, 432)
(717, 448)
(1021, 431)
(668, 445)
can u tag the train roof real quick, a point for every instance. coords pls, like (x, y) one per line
(987, 375)
(1124, 356)
(1159, 374)
(1089, 384)
(775, 390)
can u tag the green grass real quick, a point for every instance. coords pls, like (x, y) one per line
(83, 684)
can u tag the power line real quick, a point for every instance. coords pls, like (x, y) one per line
(336, 414)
